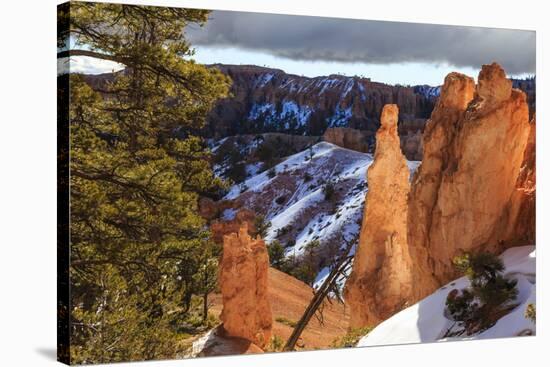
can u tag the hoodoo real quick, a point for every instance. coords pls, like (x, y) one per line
(380, 283)
(243, 281)
(474, 146)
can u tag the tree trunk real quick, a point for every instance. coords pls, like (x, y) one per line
(205, 307)
(318, 298)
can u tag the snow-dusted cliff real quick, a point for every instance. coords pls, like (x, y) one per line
(268, 100)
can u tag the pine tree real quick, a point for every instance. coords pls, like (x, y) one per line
(489, 296)
(261, 225)
(137, 243)
(276, 254)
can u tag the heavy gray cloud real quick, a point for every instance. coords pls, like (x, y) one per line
(347, 40)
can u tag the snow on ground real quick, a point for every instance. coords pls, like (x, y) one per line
(425, 321)
(252, 169)
(201, 343)
(346, 167)
(293, 199)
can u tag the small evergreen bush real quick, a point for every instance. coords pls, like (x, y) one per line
(489, 296)
(351, 338)
(328, 191)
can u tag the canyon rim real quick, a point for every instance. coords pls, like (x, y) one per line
(322, 191)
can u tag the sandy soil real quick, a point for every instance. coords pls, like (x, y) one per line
(289, 298)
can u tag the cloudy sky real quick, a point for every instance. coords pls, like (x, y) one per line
(390, 52)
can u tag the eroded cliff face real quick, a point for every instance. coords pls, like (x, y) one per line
(269, 100)
(474, 147)
(519, 219)
(348, 138)
(380, 282)
(411, 145)
(243, 277)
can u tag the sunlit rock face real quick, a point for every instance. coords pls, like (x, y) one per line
(474, 148)
(380, 282)
(243, 277)
(518, 221)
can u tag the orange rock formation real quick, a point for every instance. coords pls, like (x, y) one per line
(380, 282)
(474, 191)
(518, 222)
(474, 147)
(220, 228)
(243, 283)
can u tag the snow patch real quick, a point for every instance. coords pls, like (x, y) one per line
(425, 321)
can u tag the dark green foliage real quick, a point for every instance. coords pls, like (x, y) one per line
(268, 154)
(328, 191)
(280, 200)
(489, 296)
(276, 254)
(276, 344)
(261, 225)
(236, 171)
(284, 230)
(306, 267)
(285, 321)
(140, 254)
(531, 312)
(271, 173)
(351, 338)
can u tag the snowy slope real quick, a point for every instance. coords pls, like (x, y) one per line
(304, 207)
(294, 202)
(246, 149)
(426, 322)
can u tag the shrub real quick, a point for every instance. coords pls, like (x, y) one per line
(308, 266)
(351, 338)
(280, 200)
(285, 321)
(276, 253)
(328, 191)
(261, 225)
(306, 273)
(236, 172)
(276, 344)
(271, 173)
(289, 264)
(489, 296)
(284, 230)
(531, 312)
